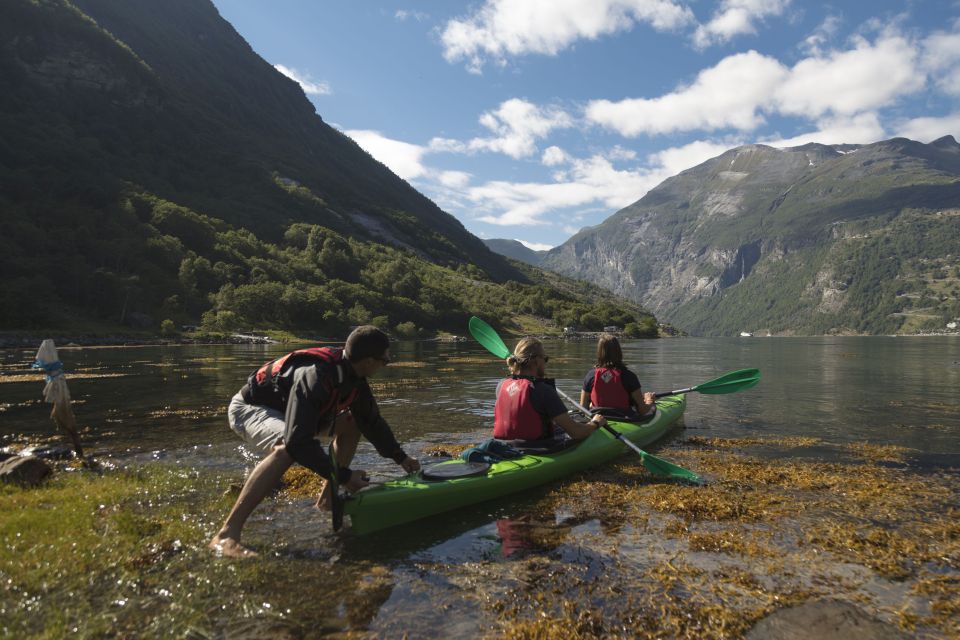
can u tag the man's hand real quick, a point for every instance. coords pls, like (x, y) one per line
(649, 397)
(358, 480)
(598, 421)
(410, 465)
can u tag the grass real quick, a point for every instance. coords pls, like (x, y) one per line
(75, 551)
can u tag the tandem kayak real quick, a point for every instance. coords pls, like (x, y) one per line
(412, 497)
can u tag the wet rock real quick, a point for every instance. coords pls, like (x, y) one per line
(28, 471)
(823, 620)
(57, 451)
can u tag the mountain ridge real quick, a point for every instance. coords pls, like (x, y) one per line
(702, 234)
(155, 171)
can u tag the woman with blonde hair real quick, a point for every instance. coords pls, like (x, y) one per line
(612, 385)
(528, 406)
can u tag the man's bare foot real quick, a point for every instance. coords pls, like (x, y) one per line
(230, 548)
(325, 499)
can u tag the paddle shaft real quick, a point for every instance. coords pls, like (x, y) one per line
(617, 434)
(664, 394)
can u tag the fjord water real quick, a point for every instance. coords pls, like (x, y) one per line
(446, 577)
(171, 400)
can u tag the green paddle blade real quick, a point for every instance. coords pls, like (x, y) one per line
(730, 382)
(653, 464)
(487, 336)
(660, 467)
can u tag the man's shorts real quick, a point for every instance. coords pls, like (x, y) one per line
(260, 427)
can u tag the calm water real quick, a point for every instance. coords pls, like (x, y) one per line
(439, 580)
(171, 400)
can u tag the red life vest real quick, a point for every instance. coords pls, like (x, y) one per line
(267, 375)
(514, 417)
(608, 389)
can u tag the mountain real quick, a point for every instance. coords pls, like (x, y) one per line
(154, 168)
(807, 240)
(169, 97)
(515, 250)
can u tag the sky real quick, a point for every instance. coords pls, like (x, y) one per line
(532, 119)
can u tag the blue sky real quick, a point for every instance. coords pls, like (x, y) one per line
(530, 119)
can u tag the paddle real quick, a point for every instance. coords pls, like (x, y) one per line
(655, 465)
(727, 383)
(491, 341)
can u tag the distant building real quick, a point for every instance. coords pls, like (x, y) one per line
(746, 334)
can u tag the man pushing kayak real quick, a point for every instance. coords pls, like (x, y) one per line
(286, 403)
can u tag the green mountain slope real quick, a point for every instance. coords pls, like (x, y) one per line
(807, 240)
(515, 250)
(153, 167)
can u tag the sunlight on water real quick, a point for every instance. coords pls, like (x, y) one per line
(884, 402)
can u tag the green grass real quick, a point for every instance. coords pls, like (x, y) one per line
(81, 548)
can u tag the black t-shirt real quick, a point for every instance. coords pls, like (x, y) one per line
(629, 379)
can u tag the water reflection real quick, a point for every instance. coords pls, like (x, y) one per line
(883, 390)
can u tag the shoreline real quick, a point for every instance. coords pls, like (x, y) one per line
(74, 341)
(115, 341)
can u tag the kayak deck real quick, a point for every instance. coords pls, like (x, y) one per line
(411, 498)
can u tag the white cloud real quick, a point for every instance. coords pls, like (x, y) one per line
(729, 94)
(553, 155)
(447, 145)
(828, 29)
(535, 246)
(454, 179)
(620, 153)
(862, 128)
(593, 180)
(929, 129)
(404, 14)
(941, 56)
(503, 28)
(735, 17)
(676, 159)
(517, 125)
(869, 76)
(741, 89)
(403, 158)
(309, 87)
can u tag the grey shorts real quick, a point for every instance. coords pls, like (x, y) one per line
(260, 427)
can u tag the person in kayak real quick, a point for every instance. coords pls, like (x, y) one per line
(286, 403)
(528, 406)
(610, 384)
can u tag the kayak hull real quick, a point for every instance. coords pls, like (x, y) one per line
(411, 498)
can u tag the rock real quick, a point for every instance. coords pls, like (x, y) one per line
(823, 620)
(28, 471)
(58, 451)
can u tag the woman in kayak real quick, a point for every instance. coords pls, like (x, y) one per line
(612, 385)
(528, 406)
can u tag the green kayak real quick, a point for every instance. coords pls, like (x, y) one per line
(412, 498)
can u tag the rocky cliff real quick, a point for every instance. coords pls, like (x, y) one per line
(811, 239)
